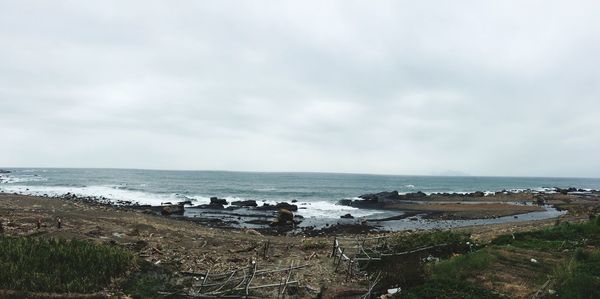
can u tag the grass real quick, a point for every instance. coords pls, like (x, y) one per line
(557, 238)
(448, 279)
(403, 242)
(53, 265)
(448, 288)
(311, 244)
(579, 277)
(462, 266)
(408, 270)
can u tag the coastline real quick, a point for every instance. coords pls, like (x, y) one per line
(187, 248)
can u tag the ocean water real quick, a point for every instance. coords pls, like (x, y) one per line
(318, 191)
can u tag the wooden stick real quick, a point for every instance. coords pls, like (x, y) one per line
(288, 278)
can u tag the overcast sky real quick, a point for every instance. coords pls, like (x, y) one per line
(396, 87)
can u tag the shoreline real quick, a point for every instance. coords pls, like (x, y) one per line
(389, 211)
(187, 248)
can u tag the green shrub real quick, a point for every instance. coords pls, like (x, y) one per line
(564, 236)
(463, 266)
(52, 265)
(448, 288)
(580, 278)
(403, 242)
(308, 244)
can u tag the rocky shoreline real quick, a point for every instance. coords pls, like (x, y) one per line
(394, 210)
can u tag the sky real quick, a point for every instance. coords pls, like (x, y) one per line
(500, 88)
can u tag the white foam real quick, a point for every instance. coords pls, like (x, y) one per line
(265, 189)
(316, 209)
(110, 192)
(9, 179)
(324, 209)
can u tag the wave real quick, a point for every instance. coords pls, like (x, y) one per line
(109, 192)
(10, 179)
(307, 209)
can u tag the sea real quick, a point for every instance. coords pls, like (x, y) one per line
(319, 191)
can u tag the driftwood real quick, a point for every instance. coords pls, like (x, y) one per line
(238, 282)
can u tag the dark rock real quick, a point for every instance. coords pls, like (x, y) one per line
(414, 196)
(244, 203)
(281, 205)
(215, 206)
(220, 201)
(284, 217)
(287, 206)
(382, 196)
(172, 210)
(347, 216)
(478, 194)
(294, 200)
(187, 202)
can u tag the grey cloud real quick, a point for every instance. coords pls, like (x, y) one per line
(504, 88)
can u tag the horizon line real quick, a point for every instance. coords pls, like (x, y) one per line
(306, 172)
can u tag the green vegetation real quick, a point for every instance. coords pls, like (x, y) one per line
(580, 277)
(309, 244)
(404, 242)
(148, 281)
(577, 276)
(448, 288)
(462, 266)
(564, 236)
(51, 265)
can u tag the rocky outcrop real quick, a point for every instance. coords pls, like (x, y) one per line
(281, 205)
(284, 217)
(382, 196)
(172, 210)
(347, 216)
(218, 201)
(244, 203)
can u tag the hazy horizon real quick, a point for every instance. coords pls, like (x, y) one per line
(507, 88)
(301, 172)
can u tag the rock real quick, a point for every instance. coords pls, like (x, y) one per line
(382, 196)
(244, 203)
(294, 200)
(347, 216)
(4, 171)
(286, 206)
(478, 194)
(284, 217)
(215, 206)
(172, 210)
(252, 232)
(187, 202)
(220, 201)
(281, 205)
(415, 195)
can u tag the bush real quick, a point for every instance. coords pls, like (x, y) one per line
(462, 266)
(448, 288)
(580, 278)
(403, 242)
(563, 236)
(51, 265)
(308, 244)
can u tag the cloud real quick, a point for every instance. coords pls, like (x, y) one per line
(506, 88)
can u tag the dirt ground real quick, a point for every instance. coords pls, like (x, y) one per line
(192, 248)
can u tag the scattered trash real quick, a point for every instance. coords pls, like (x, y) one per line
(394, 290)
(534, 261)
